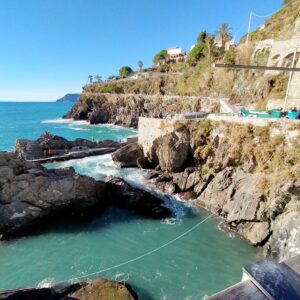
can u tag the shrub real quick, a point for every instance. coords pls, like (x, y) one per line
(125, 71)
(162, 55)
(198, 52)
(230, 56)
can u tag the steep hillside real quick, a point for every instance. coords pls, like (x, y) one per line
(280, 25)
(250, 88)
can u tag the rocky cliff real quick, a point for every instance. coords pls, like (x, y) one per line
(248, 175)
(124, 109)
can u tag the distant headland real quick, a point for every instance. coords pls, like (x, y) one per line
(68, 98)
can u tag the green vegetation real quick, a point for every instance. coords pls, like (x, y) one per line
(198, 52)
(279, 25)
(201, 37)
(230, 56)
(160, 56)
(125, 71)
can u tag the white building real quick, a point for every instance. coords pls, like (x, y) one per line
(176, 54)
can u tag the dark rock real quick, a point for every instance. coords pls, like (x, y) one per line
(125, 196)
(143, 163)
(128, 155)
(31, 150)
(33, 196)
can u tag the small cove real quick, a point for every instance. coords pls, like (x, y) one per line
(201, 263)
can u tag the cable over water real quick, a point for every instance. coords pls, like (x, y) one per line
(135, 258)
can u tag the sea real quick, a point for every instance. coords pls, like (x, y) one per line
(187, 256)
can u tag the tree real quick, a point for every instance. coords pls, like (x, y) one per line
(98, 78)
(162, 55)
(209, 42)
(224, 34)
(140, 65)
(201, 37)
(125, 71)
(198, 52)
(91, 79)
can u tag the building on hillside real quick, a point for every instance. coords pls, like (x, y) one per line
(228, 44)
(176, 54)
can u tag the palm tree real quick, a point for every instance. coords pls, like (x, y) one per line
(140, 65)
(209, 41)
(91, 79)
(224, 34)
(98, 78)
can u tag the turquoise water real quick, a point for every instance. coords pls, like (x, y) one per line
(30, 120)
(200, 263)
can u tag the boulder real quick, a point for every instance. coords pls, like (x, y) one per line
(105, 290)
(31, 195)
(128, 155)
(93, 290)
(28, 149)
(173, 151)
(126, 196)
(255, 232)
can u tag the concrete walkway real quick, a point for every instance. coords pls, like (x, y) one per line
(75, 155)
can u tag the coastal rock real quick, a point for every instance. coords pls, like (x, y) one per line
(31, 150)
(143, 163)
(105, 290)
(126, 196)
(93, 290)
(186, 180)
(284, 242)
(128, 155)
(233, 193)
(173, 150)
(255, 232)
(31, 195)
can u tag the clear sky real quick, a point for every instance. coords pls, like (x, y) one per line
(49, 47)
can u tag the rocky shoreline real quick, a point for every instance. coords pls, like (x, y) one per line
(32, 196)
(209, 166)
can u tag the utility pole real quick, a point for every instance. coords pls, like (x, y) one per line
(290, 78)
(249, 27)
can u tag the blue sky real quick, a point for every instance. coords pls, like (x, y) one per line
(49, 47)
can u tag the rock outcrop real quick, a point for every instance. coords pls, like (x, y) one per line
(172, 152)
(125, 109)
(128, 155)
(31, 195)
(126, 196)
(31, 150)
(93, 290)
(243, 174)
